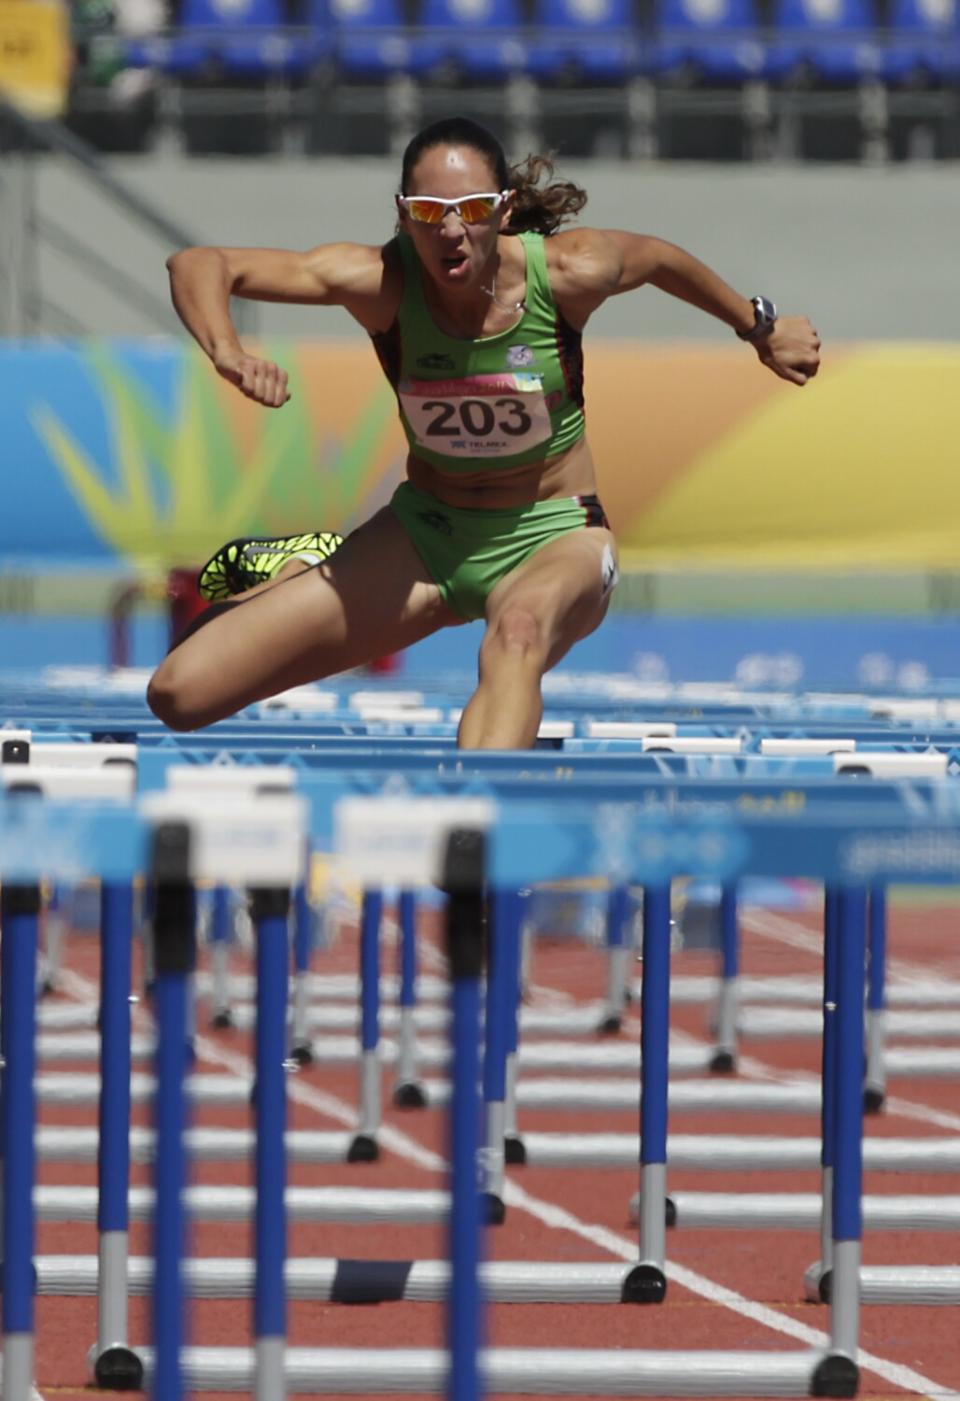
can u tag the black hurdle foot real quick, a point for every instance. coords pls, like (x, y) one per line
(723, 1063)
(645, 1284)
(118, 1368)
(493, 1209)
(514, 1151)
(836, 1375)
(302, 1053)
(409, 1095)
(363, 1149)
(222, 1020)
(873, 1099)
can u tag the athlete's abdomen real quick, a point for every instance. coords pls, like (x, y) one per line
(492, 487)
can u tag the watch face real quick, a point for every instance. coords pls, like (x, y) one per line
(764, 310)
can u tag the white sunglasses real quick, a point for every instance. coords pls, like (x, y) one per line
(472, 209)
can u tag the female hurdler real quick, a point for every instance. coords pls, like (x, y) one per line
(475, 309)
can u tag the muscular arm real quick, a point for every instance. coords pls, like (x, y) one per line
(644, 259)
(203, 280)
(601, 263)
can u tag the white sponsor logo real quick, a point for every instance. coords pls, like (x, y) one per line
(908, 853)
(609, 573)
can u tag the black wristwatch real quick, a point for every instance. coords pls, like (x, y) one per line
(764, 319)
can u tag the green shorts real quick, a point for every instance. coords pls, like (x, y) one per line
(469, 551)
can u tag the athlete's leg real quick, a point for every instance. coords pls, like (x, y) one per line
(373, 596)
(287, 571)
(534, 616)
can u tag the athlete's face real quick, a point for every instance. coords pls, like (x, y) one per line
(453, 252)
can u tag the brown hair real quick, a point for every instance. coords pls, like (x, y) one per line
(541, 204)
(541, 207)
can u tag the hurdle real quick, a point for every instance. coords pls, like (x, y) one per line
(244, 782)
(110, 781)
(21, 747)
(731, 1022)
(802, 1211)
(346, 1205)
(736, 1153)
(19, 911)
(555, 1150)
(885, 1284)
(264, 849)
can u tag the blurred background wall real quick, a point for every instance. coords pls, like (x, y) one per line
(870, 252)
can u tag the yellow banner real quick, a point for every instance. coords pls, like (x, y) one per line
(34, 55)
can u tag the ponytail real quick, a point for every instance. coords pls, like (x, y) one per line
(541, 207)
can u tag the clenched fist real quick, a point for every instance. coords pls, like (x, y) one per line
(260, 380)
(791, 350)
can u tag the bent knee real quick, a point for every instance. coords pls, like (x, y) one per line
(514, 631)
(170, 701)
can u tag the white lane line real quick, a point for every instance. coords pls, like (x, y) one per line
(784, 930)
(558, 1218)
(760, 1070)
(923, 1113)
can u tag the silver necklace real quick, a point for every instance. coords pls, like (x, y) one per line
(491, 292)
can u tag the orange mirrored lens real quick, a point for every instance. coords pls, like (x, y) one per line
(473, 210)
(425, 211)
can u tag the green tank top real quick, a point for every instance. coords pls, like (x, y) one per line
(500, 401)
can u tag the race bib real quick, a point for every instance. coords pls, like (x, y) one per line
(483, 416)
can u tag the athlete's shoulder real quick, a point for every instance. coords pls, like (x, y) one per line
(364, 278)
(356, 267)
(583, 262)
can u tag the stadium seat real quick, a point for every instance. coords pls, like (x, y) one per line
(922, 42)
(713, 41)
(834, 41)
(369, 39)
(591, 41)
(243, 39)
(480, 40)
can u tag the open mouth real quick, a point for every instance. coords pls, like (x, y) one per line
(453, 261)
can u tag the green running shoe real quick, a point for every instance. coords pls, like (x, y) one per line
(241, 564)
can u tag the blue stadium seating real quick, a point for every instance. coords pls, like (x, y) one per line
(369, 39)
(482, 40)
(246, 39)
(714, 41)
(835, 41)
(592, 41)
(923, 41)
